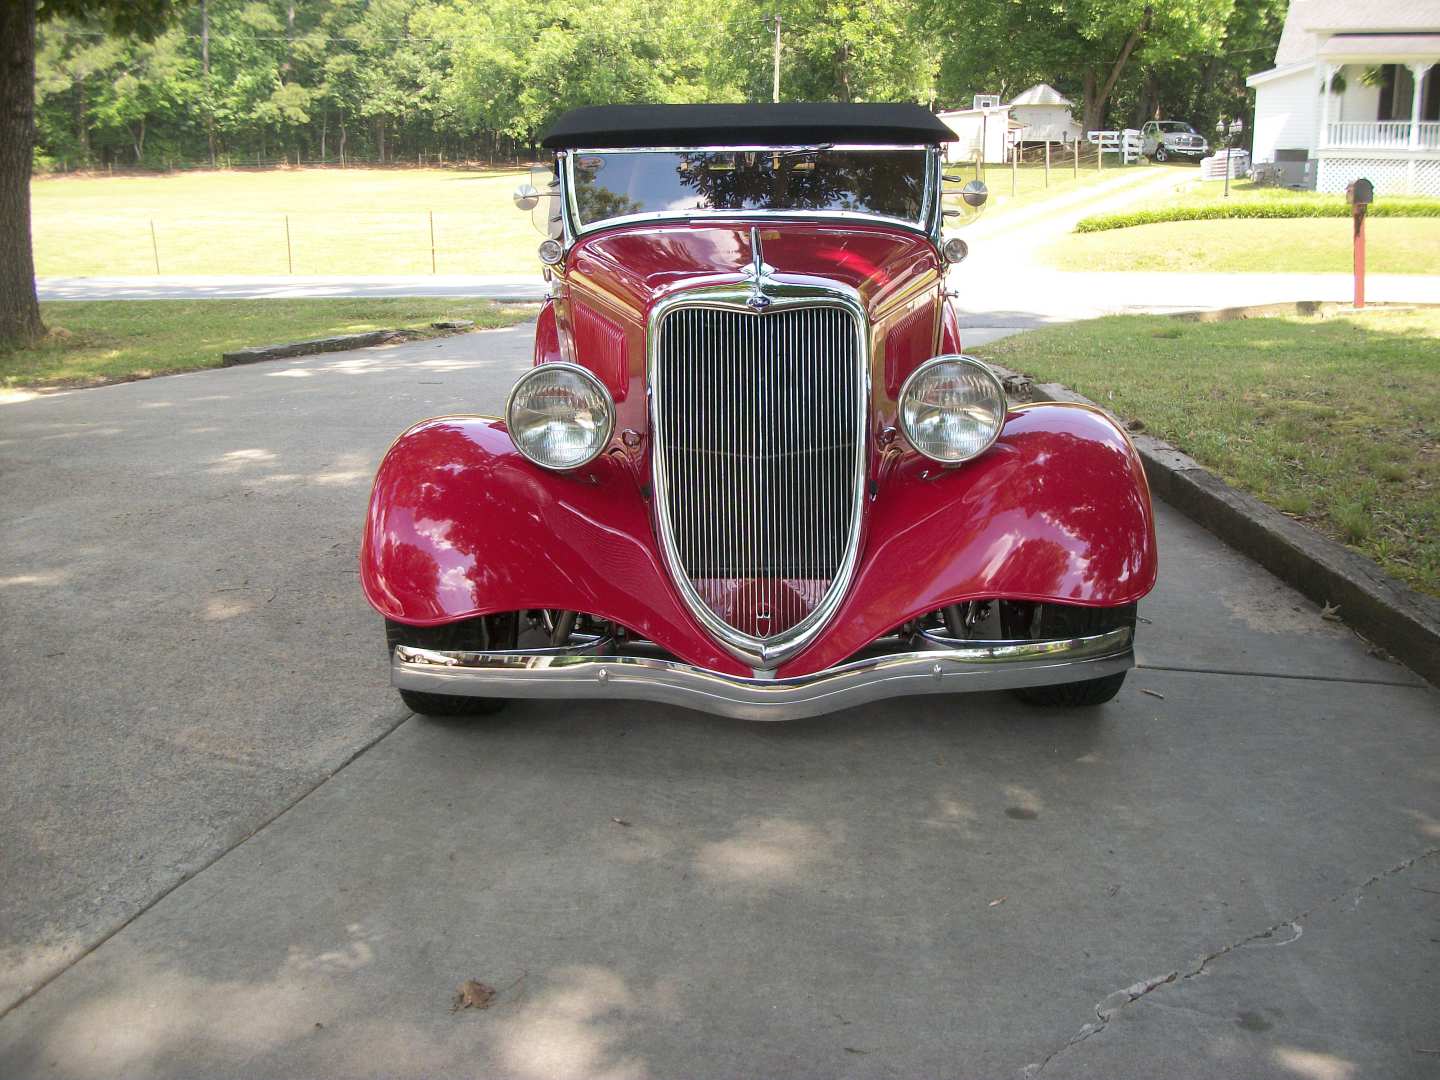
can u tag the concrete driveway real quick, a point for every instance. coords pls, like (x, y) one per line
(227, 850)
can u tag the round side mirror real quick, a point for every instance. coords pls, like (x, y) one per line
(526, 197)
(975, 193)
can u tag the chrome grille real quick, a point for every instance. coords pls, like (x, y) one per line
(760, 422)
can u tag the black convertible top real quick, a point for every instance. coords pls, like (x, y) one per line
(787, 124)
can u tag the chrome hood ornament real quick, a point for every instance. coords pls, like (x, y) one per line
(759, 272)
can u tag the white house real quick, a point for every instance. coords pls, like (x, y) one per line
(1044, 115)
(985, 129)
(1354, 92)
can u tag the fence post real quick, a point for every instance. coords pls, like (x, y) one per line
(289, 253)
(155, 246)
(1077, 157)
(432, 241)
(1014, 168)
(1047, 164)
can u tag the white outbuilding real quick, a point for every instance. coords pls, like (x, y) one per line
(1044, 115)
(984, 130)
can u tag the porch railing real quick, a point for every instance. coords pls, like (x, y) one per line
(1383, 135)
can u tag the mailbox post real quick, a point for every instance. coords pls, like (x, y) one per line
(1359, 194)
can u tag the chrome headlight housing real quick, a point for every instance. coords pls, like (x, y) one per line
(560, 416)
(952, 408)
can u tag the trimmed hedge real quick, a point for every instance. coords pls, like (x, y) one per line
(1245, 208)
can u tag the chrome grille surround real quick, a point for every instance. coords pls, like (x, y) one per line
(761, 654)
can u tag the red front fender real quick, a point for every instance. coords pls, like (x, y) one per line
(461, 525)
(1058, 510)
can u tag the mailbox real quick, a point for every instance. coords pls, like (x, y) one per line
(1359, 194)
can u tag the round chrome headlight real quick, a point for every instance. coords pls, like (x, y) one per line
(560, 416)
(952, 408)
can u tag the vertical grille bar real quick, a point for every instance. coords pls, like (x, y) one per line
(758, 424)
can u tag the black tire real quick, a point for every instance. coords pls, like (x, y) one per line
(1021, 620)
(1160, 155)
(487, 632)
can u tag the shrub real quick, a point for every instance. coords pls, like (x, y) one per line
(1258, 208)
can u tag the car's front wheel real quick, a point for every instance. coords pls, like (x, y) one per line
(471, 635)
(1043, 621)
(1160, 155)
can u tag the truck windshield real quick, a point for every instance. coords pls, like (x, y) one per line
(885, 183)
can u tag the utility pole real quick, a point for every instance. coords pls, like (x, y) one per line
(775, 94)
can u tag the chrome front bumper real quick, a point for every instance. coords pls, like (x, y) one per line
(928, 664)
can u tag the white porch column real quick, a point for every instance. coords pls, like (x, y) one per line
(1327, 72)
(1417, 74)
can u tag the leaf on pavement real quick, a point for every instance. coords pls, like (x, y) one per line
(473, 994)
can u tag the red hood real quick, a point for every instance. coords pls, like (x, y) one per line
(633, 267)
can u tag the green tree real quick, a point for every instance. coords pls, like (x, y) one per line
(20, 322)
(1083, 46)
(153, 78)
(833, 51)
(72, 63)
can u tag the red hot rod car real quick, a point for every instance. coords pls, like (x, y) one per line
(751, 471)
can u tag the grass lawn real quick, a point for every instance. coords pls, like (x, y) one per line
(342, 221)
(1029, 182)
(1298, 245)
(109, 340)
(1334, 421)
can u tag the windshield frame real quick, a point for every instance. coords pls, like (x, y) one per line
(925, 224)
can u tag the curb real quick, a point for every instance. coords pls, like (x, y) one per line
(1320, 308)
(256, 353)
(1400, 620)
(339, 343)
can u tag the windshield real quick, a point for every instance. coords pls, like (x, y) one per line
(886, 183)
(1176, 125)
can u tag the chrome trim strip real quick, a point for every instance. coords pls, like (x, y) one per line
(747, 148)
(969, 666)
(761, 654)
(926, 223)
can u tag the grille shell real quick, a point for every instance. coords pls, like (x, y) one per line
(759, 421)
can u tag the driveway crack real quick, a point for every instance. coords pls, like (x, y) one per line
(1111, 1004)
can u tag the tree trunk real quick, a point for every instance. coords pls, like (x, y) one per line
(1147, 105)
(205, 71)
(1096, 98)
(19, 311)
(324, 126)
(343, 136)
(380, 138)
(82, 121)
(1091, 113)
